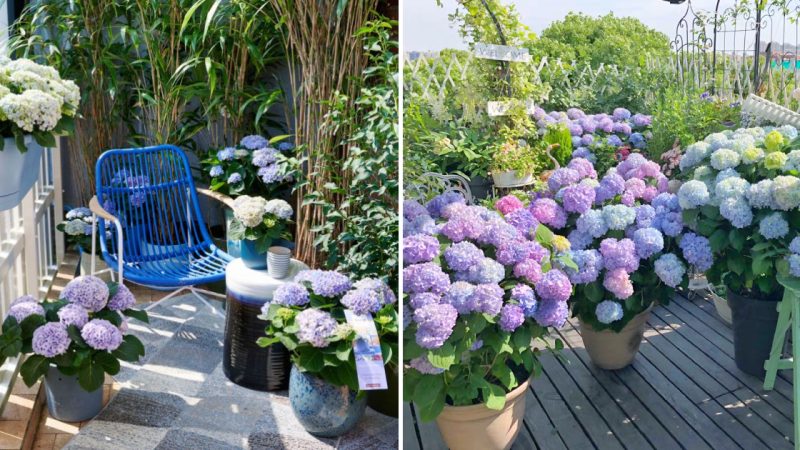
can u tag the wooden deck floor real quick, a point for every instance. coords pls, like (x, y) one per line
(682, 391)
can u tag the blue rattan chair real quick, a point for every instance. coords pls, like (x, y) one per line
(161, 239)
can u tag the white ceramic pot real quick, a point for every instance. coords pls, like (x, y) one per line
(510, 179)
(278, 259)
(19, 171)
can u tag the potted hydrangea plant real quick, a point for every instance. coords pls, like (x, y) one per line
(307, 316)
(73, 343)
(481, 288)
(743, 193)
(77, 227)
(629, 245)
(35, 106)
(258, 223)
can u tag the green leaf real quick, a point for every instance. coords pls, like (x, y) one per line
(109, 363)
(496, 397)
(91, 376)
(311, 360)
(737, 239)
(443, 357)
(718, 240)
(137, 314)
(594, 291)
(130, 350)
(761, 266)
(543, 235)
(736, 263)
(34, 367)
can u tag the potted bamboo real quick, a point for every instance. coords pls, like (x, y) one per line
(36, 105)
(474, 317)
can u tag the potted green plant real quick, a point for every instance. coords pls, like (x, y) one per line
(77, 228)
(308, 316)
(743, 193)
(36, 105)
(514, 164)
(480, 291)
(73, 343)
(629, 245)
(257, 224)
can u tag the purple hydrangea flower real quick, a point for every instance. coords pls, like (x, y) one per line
(511, 317)
(122, 300)
(425, 277)
(462, 255)
(498, 231)
(463, 227)
(645, 215)
(425, 298)
(254, 142)
(327, 283)
(235, 178)
(575, 113)
(423, 365)
(554, 286)
(622, 128)
(485, 271)
(641, 120)
(551, 314)
(508, 204)
(586, 140)
(24, 299)
(619, 254)
(264, 157)
(648, 242)
(216, 171)
(51, 339)
(523, 221)
(697, 251)
(368, 295)
(73, 314)
(513, 252)
(459, 295)
(529, 270)
(548, 212)
(614, 141)
(21, 311)
(670, 269)
(562, 177)
(412, 209)
(621, 114)
(88, 291)
(578, 198)
(270, 174)
(618, 282)
(605, 125)
(315, 327)
(420, 248)
(589, 263)
(487, 299)
(289, 294)
(524, 295)
(435, 324)
(583, 166)
(437, 203)
(610, 186)
(101, 334)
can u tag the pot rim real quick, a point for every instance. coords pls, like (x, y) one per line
(635, 322)
(470, 413)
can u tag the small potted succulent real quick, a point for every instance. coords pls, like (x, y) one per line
(629, 245)
(73, 343)
(257, 167)
(308, 317)
(77, 227)
(36, 105)
(481, 288)
(743, 193)
(258, 224)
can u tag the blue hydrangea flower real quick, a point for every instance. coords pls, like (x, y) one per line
(773, 226)
(368, 295)
(648, 242)
(289, 294)
(315, 327)
(254, 142)
(264, 157)
(592, 223)
(101, 334)
(794, 264)
(618, 217)
(271, 174)
(697, 251)
(589, 263)
(760, 194)
(235, 178)
(794, 246)
(485, 271)
(327, 283)
(551, 314)
(285, 146)
(459, 295)
(692, 194)
(216, 171)
(226, 154)
(737, 211)
(733, 187)
(608, 311)
(51, 339)
(670, 269)
(524, 295)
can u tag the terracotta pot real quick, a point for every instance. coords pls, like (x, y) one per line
(510, 179)
(611, 350)
(478, 427)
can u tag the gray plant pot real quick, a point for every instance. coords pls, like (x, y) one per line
(67, 400)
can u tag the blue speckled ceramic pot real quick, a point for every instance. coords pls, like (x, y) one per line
(324, 410)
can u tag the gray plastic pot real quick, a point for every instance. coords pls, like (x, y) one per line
(754, 323)
(67, 400)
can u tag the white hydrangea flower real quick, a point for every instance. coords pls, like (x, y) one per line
(24, 64)
(279, 208)
(33, 109)
(75, 227)
(249, 210)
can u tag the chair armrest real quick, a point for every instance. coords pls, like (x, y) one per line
(94, 206)
(224, 199)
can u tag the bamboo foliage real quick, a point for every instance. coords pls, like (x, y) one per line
(326, 59)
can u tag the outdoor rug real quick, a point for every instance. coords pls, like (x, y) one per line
(177, 397)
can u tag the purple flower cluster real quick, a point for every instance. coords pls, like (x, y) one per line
(123, 299)
(51, 339)
(508, 204)
(368, 295)
(425, 277)
(554, 286)
(101, 334)
(289, 294)
(23, 310)
(420, 248)
(435, 324)
(697, 251)
(315, 327)
(327, 283)
(73, 314)
(87, 291)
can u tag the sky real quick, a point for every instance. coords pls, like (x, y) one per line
(425, 25)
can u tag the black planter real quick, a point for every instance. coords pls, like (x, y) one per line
(386, 401)
(480, 186)
(754, 323)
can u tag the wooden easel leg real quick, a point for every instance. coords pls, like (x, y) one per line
(784, 320)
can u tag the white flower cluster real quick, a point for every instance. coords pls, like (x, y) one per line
(279, 208)
(33, 96)
(249, 210)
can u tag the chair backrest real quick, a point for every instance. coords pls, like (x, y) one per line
(151, 191)
(430, 184)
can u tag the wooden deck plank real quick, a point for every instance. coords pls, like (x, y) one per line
(586, 411)
(524, 440)
(678, 430)
(725, 359)
(744, 394)
(544, 433)
(570, 430)
(430, 437)
(410, 439)
(753, 422)
(572, 372)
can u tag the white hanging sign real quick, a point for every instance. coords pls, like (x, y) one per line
(501, 108)
(501, 52)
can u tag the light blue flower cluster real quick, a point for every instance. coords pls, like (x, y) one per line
(609, 311)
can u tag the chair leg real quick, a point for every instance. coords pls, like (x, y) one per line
(784, 320)
(796, 369)
(202, 299)
(173, 294)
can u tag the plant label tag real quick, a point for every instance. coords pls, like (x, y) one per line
(367, 351)
(501, 52)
